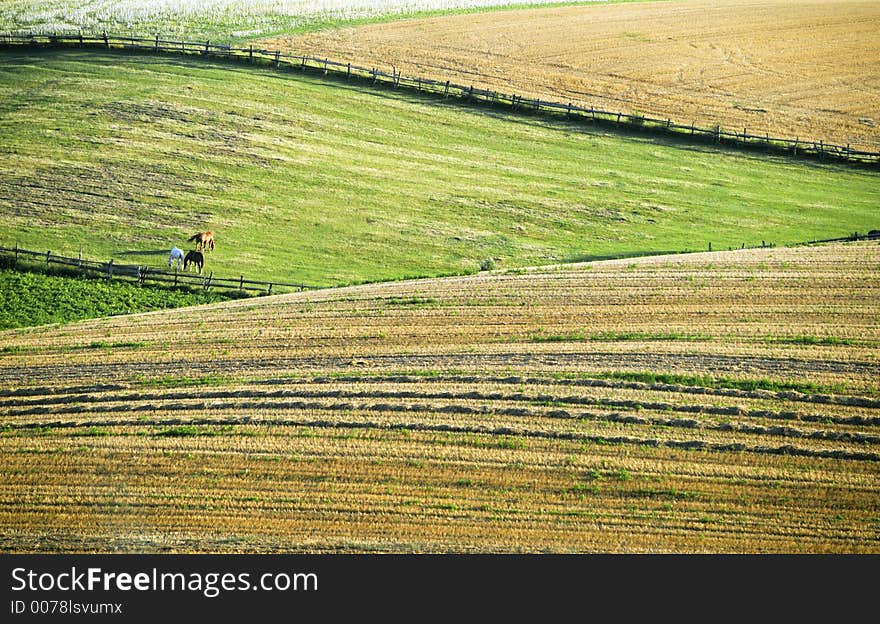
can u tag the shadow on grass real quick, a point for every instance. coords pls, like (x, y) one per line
(620, 256)
(145, 252)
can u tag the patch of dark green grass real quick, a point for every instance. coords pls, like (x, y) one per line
(91, 432)
(100, 344)
(811, 340)
(30, 299)
(668, 494)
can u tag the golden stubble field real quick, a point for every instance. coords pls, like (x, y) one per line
(502, 412)
(806, 69)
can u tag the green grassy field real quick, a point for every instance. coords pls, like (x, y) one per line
(28, 299)
(330, 183)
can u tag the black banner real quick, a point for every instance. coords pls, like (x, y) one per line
(236, 587)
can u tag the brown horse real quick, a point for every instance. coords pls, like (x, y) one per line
(195, 258)
(203, 241)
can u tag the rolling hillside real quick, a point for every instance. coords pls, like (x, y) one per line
(803, 69)
(486, 379)
(713, 403)
(331, 183)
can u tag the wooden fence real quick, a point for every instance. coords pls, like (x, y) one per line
(143, 274)
(446, 89)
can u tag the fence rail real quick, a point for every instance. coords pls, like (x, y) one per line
(175, 278)
(143, 274)
(446, 89)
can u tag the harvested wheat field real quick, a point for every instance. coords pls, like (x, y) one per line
(806, 70)
(721, 402)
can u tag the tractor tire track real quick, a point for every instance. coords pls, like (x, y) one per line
(712, 364)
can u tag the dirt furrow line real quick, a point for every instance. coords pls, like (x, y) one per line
(17, 407)
(510, 431)
(717, 364)
(530, 414)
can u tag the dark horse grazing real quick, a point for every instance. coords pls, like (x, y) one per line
(203, 241)
(194, 257)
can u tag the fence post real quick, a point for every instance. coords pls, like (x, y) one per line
(207, 45)
(251, 53)
(277, 58)
(446, 90)
(110, 269)
(325, 66)
(80, 257)
(157, 42)
(16, 253)
(80, 39)
(348, 73)
(241, 283)
(106, 39)
(48, 253)
(269, 292)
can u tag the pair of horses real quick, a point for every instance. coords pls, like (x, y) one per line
(178, 259)
(204, 241)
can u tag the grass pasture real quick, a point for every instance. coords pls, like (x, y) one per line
(429, 416)
(328, 183)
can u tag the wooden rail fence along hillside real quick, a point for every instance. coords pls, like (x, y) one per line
(468, 93)
(143, 274)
